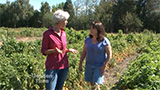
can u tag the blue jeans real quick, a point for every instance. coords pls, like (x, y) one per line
(55, 78)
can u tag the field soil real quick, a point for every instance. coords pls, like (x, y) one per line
(113, 75)
(25, 39)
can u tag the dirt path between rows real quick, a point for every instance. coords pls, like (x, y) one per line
(25, 39)
(113, 75)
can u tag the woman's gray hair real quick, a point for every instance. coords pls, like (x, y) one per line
(60, 15)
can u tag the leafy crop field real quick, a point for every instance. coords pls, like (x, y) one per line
(22, 64)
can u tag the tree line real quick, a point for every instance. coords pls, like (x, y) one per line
(127, 15)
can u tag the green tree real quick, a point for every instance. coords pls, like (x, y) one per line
(84, 10)
(131, 22)
(47, 19)
(18, 13)
(35, 20)
(45, 14)
(5, 15)
(120, 8)
(149, 13)
(104, 13)
(2, 10)
(58, 6)
(68, 6)
(27, 13)
(85, 6)
(45, 8)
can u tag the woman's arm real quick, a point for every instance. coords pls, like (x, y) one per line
(72, 50)
(83, 55)
(45, 43)
(108, 50)
(51, 51)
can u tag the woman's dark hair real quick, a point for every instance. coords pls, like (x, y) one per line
(100, 30)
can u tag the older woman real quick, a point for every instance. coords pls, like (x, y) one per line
(54, 47)
(97, 50)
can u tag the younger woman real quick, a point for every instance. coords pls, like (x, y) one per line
(97, 51)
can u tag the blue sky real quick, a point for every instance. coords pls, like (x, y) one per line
(37, 3)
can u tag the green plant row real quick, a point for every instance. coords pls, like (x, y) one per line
(22, 64)
(144, 72)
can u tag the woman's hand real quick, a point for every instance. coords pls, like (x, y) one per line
(102, 69)
(52, 51)
(59, 51)
(80, 67)
(72, 50)
(68, 50)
